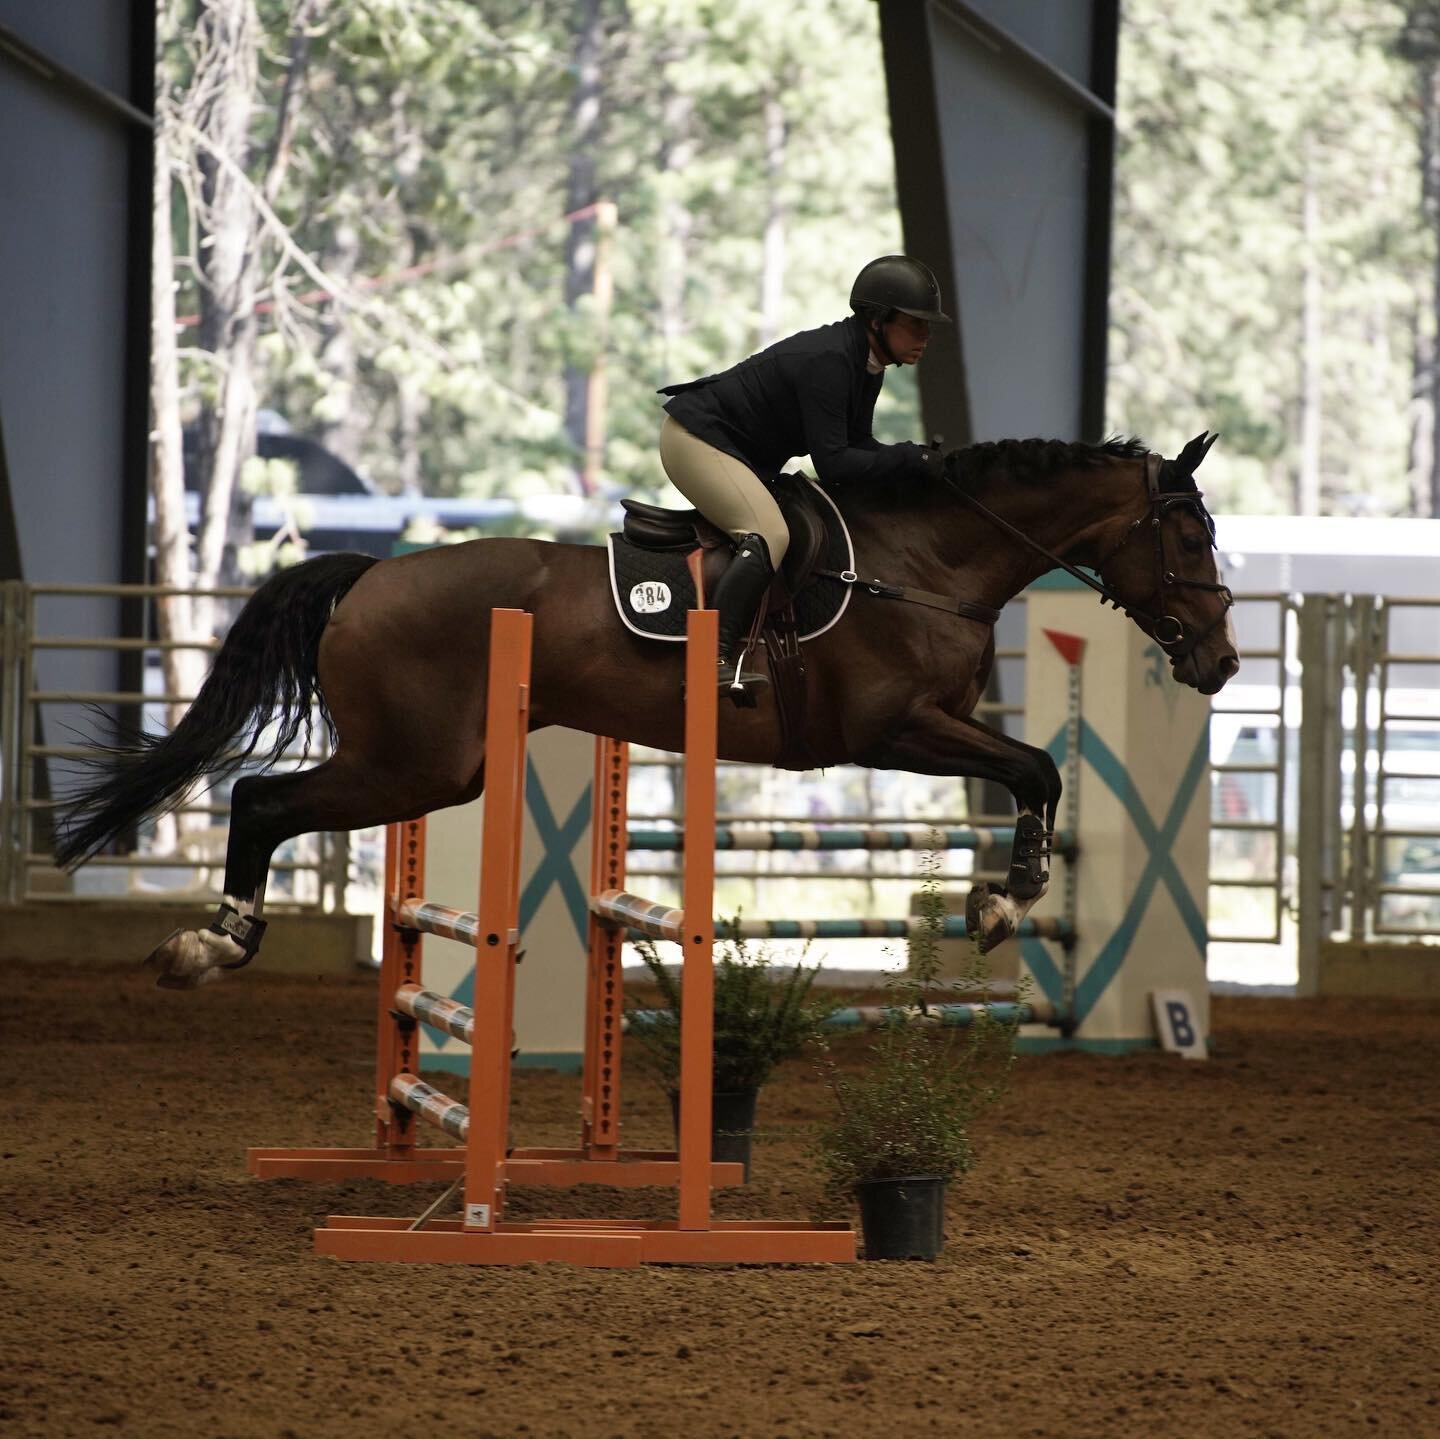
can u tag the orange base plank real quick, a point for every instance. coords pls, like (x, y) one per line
(396, 1243)
(331, 1165)
(553, 1168)
(586, 1242)
(630, 1169)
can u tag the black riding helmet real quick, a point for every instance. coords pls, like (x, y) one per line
(896, 282)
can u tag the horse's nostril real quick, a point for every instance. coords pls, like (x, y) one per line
(1229, 666)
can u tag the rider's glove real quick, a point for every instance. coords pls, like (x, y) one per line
(925, 460)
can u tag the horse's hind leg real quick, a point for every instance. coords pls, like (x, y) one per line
(344, 793)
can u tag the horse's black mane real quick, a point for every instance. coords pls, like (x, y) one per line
(1037, 459)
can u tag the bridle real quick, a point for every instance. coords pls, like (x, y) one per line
(1171, 633)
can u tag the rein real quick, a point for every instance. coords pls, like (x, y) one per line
(1171, 633)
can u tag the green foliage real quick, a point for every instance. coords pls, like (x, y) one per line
(1267, 152)
(1269, 247)
(763, 1016)
(428, 178)
(909, 1110)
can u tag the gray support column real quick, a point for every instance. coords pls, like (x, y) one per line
(1362, 664)
(923, 190)
(1317, 835)
(1002, 117)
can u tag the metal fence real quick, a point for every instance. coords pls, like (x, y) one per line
(1369, 811)
(1251, 783)
(182, 858)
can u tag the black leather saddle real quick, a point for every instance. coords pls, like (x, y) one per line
(803, 505)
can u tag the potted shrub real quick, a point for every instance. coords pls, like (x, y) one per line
(900, 1131)
(763, 1015)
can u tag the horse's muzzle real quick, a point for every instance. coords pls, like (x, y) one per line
(1210, 678)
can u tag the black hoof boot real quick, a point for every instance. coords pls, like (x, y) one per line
(1028, 855)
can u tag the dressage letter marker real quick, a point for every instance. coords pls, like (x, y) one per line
(1176, 1025)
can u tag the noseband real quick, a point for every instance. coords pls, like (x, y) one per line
(1171, 633)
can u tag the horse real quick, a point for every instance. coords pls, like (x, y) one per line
(395, 653)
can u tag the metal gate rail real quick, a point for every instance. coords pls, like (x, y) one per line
(1375, 631)
(22, 705)
(1280, 655)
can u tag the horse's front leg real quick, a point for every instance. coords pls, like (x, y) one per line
(934, 742)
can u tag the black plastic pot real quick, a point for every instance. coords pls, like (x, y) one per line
(902, 1218)
(732, 1125)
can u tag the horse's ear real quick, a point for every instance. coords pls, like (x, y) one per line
(1188, 460)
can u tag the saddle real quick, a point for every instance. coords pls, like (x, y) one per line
(664, 563)
(652, 527)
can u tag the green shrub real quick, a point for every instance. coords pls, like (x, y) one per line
(908, 1111)
(763, 1015)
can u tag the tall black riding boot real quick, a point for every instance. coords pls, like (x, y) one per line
(740, 590)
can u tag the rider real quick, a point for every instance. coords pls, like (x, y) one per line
(726, 437)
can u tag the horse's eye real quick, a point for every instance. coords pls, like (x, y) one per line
(1192, 545)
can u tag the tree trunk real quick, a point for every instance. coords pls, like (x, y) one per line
(226, 260)
(677, 152)
(1422, 411)
(586, 112)
(772, 273)
(408, 149)
(1430, 161)
(1307, 497)
(344, 435)
(183, 669)
(1419, 42)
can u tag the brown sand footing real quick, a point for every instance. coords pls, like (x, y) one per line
(1242, 1247)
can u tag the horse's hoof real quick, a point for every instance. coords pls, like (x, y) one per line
(990, 916)
(185, 960)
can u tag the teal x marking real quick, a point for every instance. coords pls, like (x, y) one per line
(1160, 869)
(557, 841)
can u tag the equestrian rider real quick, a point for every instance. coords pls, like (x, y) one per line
(726, 437)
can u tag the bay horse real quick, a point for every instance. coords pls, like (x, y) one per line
(395, 651)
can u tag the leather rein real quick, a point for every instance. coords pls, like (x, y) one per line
(1178, 639)
(1171, 633)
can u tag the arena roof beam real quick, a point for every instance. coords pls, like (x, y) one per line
(1004, 151)
(52, 70)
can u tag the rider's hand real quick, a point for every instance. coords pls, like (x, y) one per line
(926, 460)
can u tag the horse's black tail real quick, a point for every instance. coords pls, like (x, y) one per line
(265, 668)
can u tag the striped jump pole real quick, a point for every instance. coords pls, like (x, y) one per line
(798, 839)
(958, 1015)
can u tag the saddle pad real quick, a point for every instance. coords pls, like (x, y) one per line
(653, 590)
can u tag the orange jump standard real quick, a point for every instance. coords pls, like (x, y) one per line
(487, 1164)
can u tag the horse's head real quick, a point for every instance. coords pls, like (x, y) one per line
(1161, 567)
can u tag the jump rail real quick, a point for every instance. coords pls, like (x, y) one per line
(759, 837)
(957, 1015)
